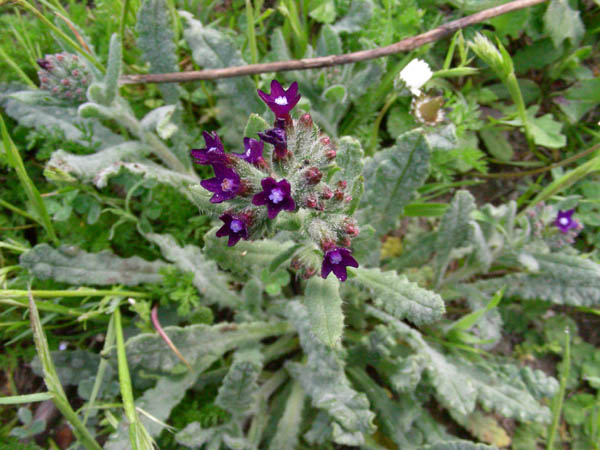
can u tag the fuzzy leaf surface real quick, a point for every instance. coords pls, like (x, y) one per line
(324, 305)
(288, 428)
(72, 265)
(323, 379)
(562, 22)
(209, 281)
(391, 177)
(237, 393)
(401, 298)
(156, 40)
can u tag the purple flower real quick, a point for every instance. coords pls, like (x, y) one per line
(276, 195)
(253, 153)
(337, 259)
(564, 222)
(225, 184)
(280, 101)
(235, 227)
(278, 138)
(213, 153)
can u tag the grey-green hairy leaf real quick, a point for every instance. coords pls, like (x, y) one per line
(324, 306)
(562, 22)
(360, 13)
(391, 177)
(209, 281)
(324, 380)
(156, 40)
(349, 159)
(288, 427)
(72, 265)
(237, 393)
(454, 230)
(401, 298)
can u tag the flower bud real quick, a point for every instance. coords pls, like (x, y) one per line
(345, 242)
(330, 154)
(64, 76)
(326, 193)
(327, 244)
(309, 272)
(311, 201)
(351, 229)
(313, 175)
(342, 184)
(338, 195)
(306, 120)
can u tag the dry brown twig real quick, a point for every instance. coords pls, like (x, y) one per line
(404, 45)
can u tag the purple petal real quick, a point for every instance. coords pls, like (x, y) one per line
(260, 199)
(273, 210)
(326, 268)
(263, 96)
(276, 90)
(233, 239)
(339, 270)
(212, 184)
(268, 183)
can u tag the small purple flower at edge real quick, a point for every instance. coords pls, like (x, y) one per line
(213, 153)
(226, 184)
(235, 227)
(280, 101)
(253, 153)
(565, 222)
(337, 259)
(276, 195)
(278, 138)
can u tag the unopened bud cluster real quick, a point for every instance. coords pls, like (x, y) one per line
(291, 176)
(65, 76)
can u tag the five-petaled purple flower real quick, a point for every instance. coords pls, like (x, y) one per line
(337, 259)
(277, 137)
(226, 184)
(276, 195)
(280, 101)
(253, 153)
(235, 226)
(565, 222)
(213, 153)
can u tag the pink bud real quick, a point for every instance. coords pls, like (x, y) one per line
(313, 175)
(330, 154)
(327, 193)
(306, 120)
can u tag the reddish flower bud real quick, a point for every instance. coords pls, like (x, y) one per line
(295, 263)
(345, 242)
(311, 201)
(309, 272)
(351, 229)
(348, 199)
(342, 184)
(327, 193)
(75, 73)
(330, 154)
(306, 120)
(59, 57)
(313, 175)
(338, 195)
(327, 244)
(65, 82)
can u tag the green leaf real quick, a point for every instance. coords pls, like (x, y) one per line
(110, 84)
(562, 22)
(329, 43)
(324, 306)
(150, 353)
(155, 39)
(458, 445)
(401, 298)
(209, 281)
(545, 130)
(359, 14)
(323, 379)
(324, 12)
(496, 144)
(255, 125)
(349, 158)
(72, 265)
(453, 232)
(335, 94)
(288, 428)
(392, 176)
(237, 393)
(580, 98)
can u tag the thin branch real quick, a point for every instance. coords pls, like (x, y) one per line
(404, 45)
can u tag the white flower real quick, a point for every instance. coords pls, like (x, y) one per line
(416, 74)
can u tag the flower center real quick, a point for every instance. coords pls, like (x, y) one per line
(212, 149)
(276, 195)
(335, 257)
(248, 152)
(281, 101)
(563, 221)
(236, 225)
(227, 185)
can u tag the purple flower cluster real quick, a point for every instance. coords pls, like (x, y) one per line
(236, 178)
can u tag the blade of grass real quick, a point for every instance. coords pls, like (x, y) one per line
(14, 159)
(124, 11)
(251, 35)
(17, 210)
(82, 292)
(558, 401)
(17, 69)
(53, 383)
(29, 398)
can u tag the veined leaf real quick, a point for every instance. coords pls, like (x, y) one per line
(400, 297)
(155, 39)
(324, 380)
(391, 177)
(237, 393)
(209, 281)
(454, 230)
(288, 427)
(75, 266)
(324, 305)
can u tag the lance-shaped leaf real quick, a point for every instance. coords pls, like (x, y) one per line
(401, 298)
(105, 92)
(324, 305)
(156, 40)
(197, 343)
(360, 13)
(86, 167)
(458, 444)
(72, 265)
(391, 177)
(245, 255)
(148, 170)
(209, 281)
(349, 159)
(324, 380)
(238, 391)
(454, 231)
(288, 427)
